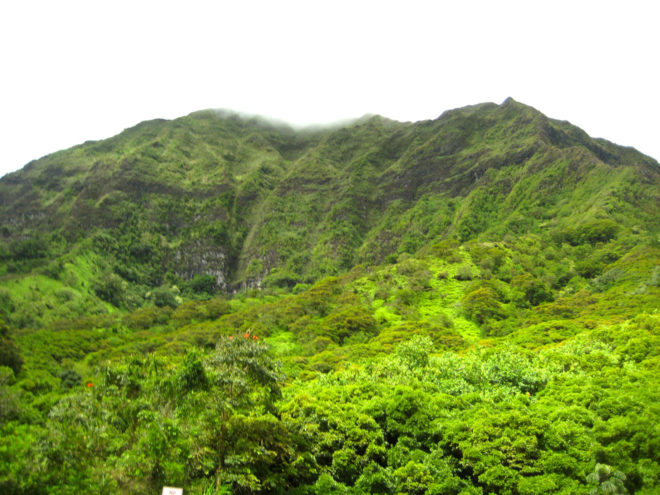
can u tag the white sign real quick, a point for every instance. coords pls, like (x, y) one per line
(168, 490)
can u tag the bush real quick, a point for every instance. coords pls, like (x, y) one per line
(6, 303)
(54, 269)
(9, 353)
(589, 268)
(281, 279)
(191, 373)
(28, 249)
(415, 352)
(110, 288)
(464, 272)
(350, 321)
(147, 317)
(165, 296)
(216, 307)
(598, 231)
(607, 279)
(534, 290)
(482, 304)
(590, 232)
(203, 284)
(445, 248)
(70, 379)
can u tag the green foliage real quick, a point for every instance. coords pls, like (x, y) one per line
(165, 296)
(203, 284)
(607, 480)
(70, 379)
(415, 352)
(192, 375)
(464, 272)
(147, 317)
(28, 249)
(9, 354)
(534, 291)
(499, 419)
(590, 232)
(461, 306)
(482, 305)
(349, 322)
(241, 362)
(6, 304)
(110, 288)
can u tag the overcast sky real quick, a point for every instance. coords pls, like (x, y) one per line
(75, 71)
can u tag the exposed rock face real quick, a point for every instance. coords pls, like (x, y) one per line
(199, 257)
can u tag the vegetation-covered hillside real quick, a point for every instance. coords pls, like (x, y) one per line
(461, 306)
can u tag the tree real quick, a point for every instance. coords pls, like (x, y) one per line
(482, 304)
(110, 288)
(203, 284)
(607, 480)
(9, 353)
(415, 352)
(165, 296)
(249, 381)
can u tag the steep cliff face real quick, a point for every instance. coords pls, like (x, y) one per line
(200, 257)
(252, 203)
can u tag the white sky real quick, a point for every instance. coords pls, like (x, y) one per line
(71, 71)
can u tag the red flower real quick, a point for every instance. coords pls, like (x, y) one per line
(90, 384)
(246, 335)
(254, 337)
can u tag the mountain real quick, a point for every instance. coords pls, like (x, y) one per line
(255, 204)
(465, 305)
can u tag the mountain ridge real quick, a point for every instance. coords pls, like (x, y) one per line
(252, 202)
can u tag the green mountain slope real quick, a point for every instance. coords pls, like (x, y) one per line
(467, 305)
(256, 204)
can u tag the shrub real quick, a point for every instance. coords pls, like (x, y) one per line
(350, 321)
(28, 249)
(598, 231)
(147, 317)
(216, 307)
(203, 284)
(445, 248)
(9, 353)
(6, 303)
(191, 373)
(534, 290)
(589, 268)
(464, 272)
(590, 232)
(281, 279)
(607, 279)
(482, 304)
(54, 269)
(164, 296)
(110, 288)
(415, 352)
(70, 379)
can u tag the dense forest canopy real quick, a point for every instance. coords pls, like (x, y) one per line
(467, 305)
